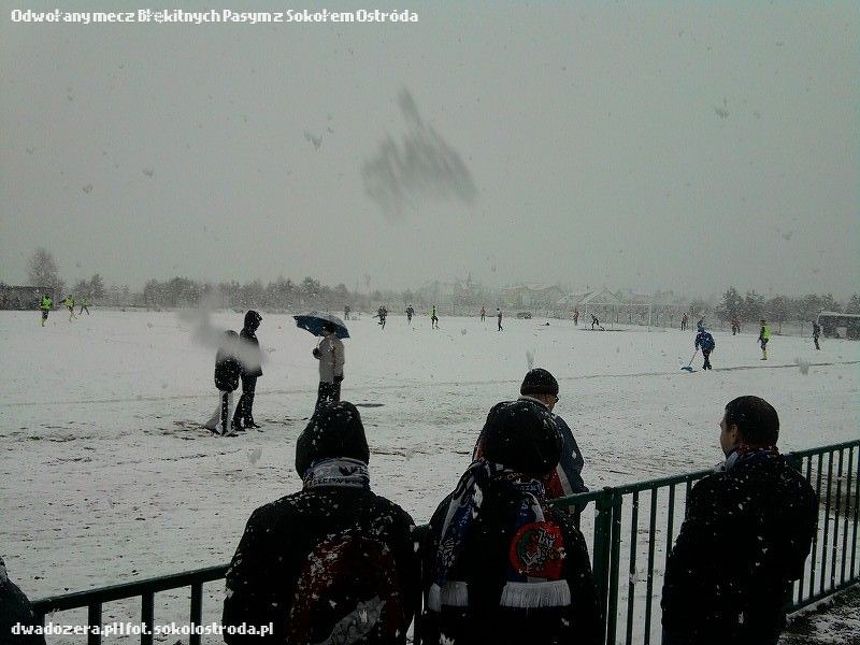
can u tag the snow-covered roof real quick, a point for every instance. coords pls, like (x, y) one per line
(532, 287)
(602, 297)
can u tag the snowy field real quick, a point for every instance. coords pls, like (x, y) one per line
(106, 476)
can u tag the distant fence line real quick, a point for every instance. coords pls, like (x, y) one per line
(629, 525)
(609, 320)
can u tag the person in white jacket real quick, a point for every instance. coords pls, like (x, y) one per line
(330, 354)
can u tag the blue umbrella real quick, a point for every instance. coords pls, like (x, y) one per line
(315, 320)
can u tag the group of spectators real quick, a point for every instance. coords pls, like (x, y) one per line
(335, 562)
(239, 357)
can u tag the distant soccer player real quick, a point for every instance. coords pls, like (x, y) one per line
(434, 319)
(46, 305)
(483, 313)
(382, 314)
(763, 338)
(499, 318)
(816, 332)
(410, 311)
(70, 305)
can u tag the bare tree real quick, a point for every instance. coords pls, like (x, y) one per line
(97, 287)
(43, 272)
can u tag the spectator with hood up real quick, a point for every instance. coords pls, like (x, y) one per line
(333, 562)
(501, 566)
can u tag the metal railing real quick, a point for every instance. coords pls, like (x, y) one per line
(630, 525)
(145, 590)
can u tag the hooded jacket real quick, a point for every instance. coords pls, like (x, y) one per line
(566, 478)
(705, 340)
(267, 568)
(262, 577)
(485, 557)
(509, 569)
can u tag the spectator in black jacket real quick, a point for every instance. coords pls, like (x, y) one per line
(15, 609)
(331, 560)
(500, 565)
(227, 371)
(540, 386)
(745, 538)
(250, 359)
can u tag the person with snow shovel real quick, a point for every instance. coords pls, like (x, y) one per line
(705, 341)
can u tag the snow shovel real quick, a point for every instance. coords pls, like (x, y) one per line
(689, 366)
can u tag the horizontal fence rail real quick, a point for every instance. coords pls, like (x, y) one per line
(632, 529)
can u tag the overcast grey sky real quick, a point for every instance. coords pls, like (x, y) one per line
(686, 146)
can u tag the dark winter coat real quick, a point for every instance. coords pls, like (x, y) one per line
(705, 340)
(746, 536)
(262, 577)
(14, 609)
(227, 370)
(483, 564)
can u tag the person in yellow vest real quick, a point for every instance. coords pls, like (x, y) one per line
(46, 305)
(70, 303)
(763, 337)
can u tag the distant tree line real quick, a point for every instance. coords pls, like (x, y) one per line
(755, 306)
(310, 293)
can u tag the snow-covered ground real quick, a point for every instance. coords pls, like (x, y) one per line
(106, 476)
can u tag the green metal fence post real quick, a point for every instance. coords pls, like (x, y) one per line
(602, 533)
(614, 562)
(196, 617)
(147, 617)
(94, 624)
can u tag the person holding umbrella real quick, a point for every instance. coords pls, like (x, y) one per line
(329, 352)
